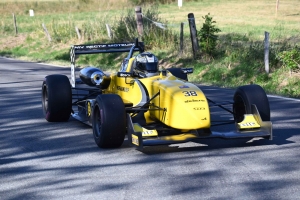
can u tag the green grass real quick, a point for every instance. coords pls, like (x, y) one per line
(239, 56)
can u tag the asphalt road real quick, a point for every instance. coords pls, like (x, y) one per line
(41, 160)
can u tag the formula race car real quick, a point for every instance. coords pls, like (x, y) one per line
(151, 106)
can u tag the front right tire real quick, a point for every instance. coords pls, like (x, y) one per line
(56, 98)
(247, 95)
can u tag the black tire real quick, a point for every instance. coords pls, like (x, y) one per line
(178, 73)
(56, 98)
(247, 95)
(109, 121)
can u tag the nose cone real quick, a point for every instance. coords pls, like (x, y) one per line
(186, 106)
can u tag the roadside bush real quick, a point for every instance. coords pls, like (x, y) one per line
(125, 28)
(6, 29)
(154, 35)
(290, 58)
(207, 35)
(62, 32)
(240, 50)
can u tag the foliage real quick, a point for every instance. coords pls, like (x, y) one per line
(290, 58)
(207, 35)
(125, 29)
(238, 57)
(5, 28)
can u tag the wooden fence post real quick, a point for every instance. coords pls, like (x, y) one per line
(109, 32)
(46, 32)
(139, 20)
(267, 49)
(193, 32)
(15, 24)
(78, 32)
(181, 37)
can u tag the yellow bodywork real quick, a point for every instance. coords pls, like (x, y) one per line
(182, 104)
(249, 122)
(145, 132)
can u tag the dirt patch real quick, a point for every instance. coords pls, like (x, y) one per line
(12, 41)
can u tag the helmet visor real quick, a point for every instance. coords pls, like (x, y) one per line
(151, 67)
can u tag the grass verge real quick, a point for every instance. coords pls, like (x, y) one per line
(238, 60)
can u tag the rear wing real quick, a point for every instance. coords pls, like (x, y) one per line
(77, 50)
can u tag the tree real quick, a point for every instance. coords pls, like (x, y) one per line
(207, 35)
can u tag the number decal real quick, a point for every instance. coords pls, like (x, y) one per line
(189, 93)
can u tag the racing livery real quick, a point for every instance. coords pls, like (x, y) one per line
(150, 106)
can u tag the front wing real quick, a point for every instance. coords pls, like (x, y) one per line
(257, 128)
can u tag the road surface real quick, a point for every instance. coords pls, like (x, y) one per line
(42, 160)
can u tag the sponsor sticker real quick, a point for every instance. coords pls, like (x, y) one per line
(98, 46)
(123, 89)
(135, 140)
(194, 101)
(124, 74)
(147, 132)
(187, 70)
(88, 109)
(183, 86)
(150, 59)
(248, 124)
(199, 108)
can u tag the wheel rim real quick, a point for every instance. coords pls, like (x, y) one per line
(45, 99)
(239, 109)
(98, 122)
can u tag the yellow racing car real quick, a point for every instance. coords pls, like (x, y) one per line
(150, 106)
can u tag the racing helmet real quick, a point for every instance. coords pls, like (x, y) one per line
(145, 65)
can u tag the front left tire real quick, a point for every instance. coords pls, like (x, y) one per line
(109, 121)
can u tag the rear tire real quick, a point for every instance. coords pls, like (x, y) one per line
(247, 95)
(109, 121)
(178, 73)
(56, 98)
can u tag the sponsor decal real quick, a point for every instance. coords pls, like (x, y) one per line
(183, 86)
(187, 70)
(120, 45)
(150, 59)
(123, 89)
(194, 101)
(98, 46)
(135, 140)
(248, 124)
(148, 132)
(204, 118)
(94, 46)
(124, 74)
(199, 108)
(88, 109)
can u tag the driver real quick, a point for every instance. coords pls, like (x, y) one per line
(145, 65)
